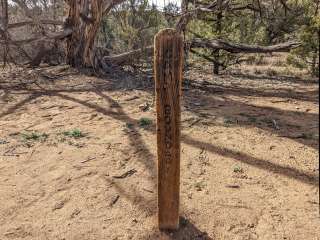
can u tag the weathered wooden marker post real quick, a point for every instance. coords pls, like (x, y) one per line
(168, 64)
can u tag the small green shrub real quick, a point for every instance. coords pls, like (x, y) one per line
(261, 60)
(296, 62)
(238, 169)
(271, 72)
(200, 185)
(34, 136)
(144, 122)
(252, 119)
(75, 133)
(129, 125)
(257, 71)
(227, 121)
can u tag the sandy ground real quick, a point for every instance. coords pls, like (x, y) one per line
(249, 157)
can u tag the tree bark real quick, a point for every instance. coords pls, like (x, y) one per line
(4, 14)
(216, 52)
(84, 18)
(4, 27)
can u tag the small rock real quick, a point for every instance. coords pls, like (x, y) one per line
(144, 107)
(231, 227)
(233, 186)
(251, 225)
(58, 205)
(197, 104)
(75, 213)
(114, 200)
(3, 141)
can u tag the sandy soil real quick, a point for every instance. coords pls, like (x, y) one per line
(249, 157)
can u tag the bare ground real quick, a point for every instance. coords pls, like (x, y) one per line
(249, 157)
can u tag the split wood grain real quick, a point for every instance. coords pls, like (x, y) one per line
(168, 67)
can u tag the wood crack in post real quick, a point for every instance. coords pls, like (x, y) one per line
(168, 61)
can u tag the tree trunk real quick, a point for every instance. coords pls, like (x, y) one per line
(216, 63)
(84, 18)
(315, 59)
(4, 27)
(4, 14)
(216, 52)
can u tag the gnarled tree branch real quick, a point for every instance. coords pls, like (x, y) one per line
(42, 21)
(130, 57)
(239, 47)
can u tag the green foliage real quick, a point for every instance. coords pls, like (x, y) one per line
(295, 61)
(237, 169)
(75, 133)
(129, 125)
(200, 185)
(272, 24)
(131, 26)
(144, 122)
(307, 55)
(271, 72)
(170, 11)
(34, 136)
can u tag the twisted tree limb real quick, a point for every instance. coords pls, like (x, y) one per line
(42, 21)
(244, 48)
(49, 36)
(130, 57)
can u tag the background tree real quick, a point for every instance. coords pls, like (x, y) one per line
(308, 33)
(101, 34)
(246, 21)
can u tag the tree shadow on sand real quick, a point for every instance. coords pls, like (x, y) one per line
(296, 125)
(289, 172)
(148, 158)
(187, 230)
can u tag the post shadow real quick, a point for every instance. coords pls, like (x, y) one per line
(187, 231)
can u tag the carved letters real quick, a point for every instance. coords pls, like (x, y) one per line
(168, 73)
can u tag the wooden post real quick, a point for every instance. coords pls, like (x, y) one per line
(168, 64)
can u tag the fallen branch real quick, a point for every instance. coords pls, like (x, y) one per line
(128, 57)
(218, 44)
(50, 36)
(42, 21)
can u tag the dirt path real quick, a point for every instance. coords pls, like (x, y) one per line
(249, 158)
